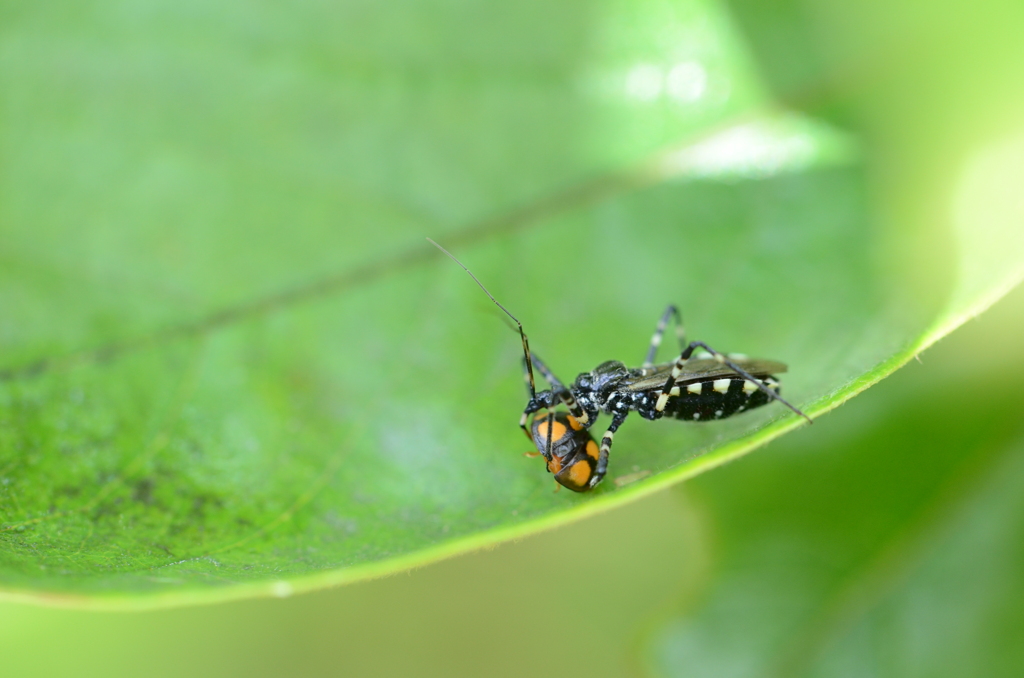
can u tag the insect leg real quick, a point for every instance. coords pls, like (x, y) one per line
(549, 376)
(547, 399)
(677, 369)
(652, 351)
(564, 394)
(540, 400)
(606, 446)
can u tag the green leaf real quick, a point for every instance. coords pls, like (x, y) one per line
(231, 364)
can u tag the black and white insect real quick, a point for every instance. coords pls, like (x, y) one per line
(705, 386)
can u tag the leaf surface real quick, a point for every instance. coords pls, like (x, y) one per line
(231, 364)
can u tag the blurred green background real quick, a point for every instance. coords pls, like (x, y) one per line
(883, 541)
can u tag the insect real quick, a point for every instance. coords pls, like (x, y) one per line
(568, 448)
(704, 387)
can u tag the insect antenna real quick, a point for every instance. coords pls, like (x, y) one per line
(522, 334)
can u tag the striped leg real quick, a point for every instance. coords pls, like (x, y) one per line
(555, 382)
(606, 447)
(652, 351)
(677, 369)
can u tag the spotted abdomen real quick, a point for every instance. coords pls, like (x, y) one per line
(716, 398)
(571, 452)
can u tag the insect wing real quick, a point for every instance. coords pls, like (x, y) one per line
(702, 370)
